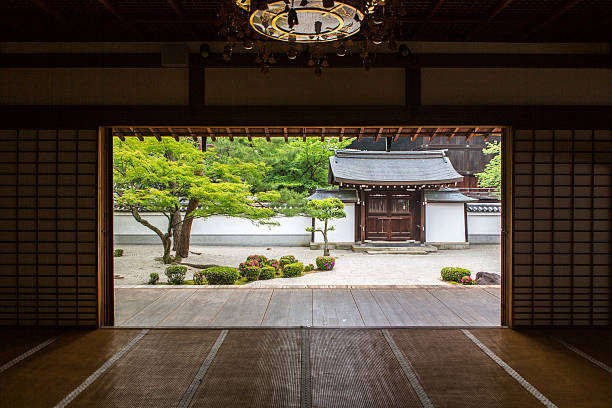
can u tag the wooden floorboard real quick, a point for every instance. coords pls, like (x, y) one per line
(369, 309)
(244, 308)
(128, 302)
(474, 307)
(425, 309)
(289, 307)
(335, 307)
(494, 291)
(393, 310)
(198, 310)
(284, 307)
(158, 310)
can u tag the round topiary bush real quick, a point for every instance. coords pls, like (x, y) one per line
(267, 272)
(286, 260)
(308, 268)
(176, 274)
(274, 263)
(221, 275)
(247, 264)
(326, 263)
(454, 274)
(260, 259)
(466, 280)
(198, 278)
(251, 273)
(153, 278)
(293, 269)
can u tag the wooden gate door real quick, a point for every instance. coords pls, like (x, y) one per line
(389, 216)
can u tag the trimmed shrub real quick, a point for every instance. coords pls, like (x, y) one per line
(466, 280)
(153, 278)
(274, 263)
(118, 252)
(326, 263)
(251, 273)
(267, 272)
(309, 268)
(221, 275)
(198, 278)
(286, 260)
(454, 274)
(247, 264)
(293, 269)
(260, 259)
(176, 274)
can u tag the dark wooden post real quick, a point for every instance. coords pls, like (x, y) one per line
(363, 215)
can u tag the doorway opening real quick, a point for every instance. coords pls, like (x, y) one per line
(417, 209)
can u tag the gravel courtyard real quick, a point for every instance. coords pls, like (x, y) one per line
(352, 268)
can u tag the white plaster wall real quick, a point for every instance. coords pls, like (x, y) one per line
(124, 224)
(344, 227)
(484, 224)
(516, 86)
(445, 222)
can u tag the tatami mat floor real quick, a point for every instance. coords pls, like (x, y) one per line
(306, 367)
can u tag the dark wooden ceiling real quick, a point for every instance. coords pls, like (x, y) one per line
(193, 20)
(376, 133)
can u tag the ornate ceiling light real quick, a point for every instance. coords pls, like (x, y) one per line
(311, 23)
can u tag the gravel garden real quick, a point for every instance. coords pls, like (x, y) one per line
(287, 266)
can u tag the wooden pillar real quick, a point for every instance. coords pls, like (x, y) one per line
(363, 215)
(423, 209)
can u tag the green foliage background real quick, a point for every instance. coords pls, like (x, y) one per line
(491, 176)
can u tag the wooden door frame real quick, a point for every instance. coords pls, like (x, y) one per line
(105, 312)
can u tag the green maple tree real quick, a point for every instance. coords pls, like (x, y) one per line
(165, 176)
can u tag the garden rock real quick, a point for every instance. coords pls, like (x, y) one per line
(488, 278)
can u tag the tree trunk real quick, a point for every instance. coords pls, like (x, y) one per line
(325, 247)
(181, 246)
(176, 227)
(165, 238)
(167, 242)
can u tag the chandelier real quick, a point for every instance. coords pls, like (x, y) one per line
(308, 27)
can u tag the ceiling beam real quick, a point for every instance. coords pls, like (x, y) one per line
(415, 135)
(191, 133)
(467, 139)
(111, 9)
(558, 13)
(432, 137)
(158, 137)
(434, 8)
(177, 9)
(44, 5)
(499, 7)
(211, 134)
(453, 134)
(119, 16)
(378, 134)
(397, 134)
